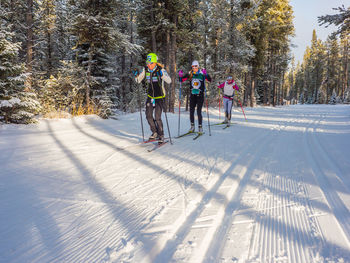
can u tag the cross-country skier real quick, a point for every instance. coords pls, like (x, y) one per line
(229, 87)
(155, 77)
(197, 79)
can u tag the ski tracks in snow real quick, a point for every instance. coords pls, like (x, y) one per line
(256, 213)
(333, 183)
(205, 223)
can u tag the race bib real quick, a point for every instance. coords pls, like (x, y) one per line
(196, 84)
(229, 89)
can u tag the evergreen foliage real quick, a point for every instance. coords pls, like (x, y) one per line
(17, 105)
(342, 20)
(77, 56)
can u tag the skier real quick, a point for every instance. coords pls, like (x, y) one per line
(155, 77)
(197, 79)
(229, 87)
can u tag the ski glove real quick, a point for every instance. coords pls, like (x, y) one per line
(204, 71)
(181, 73)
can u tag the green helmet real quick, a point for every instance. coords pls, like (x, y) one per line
(151, 58)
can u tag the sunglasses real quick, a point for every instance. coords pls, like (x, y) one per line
(194, 66)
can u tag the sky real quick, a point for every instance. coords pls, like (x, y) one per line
(305, 20)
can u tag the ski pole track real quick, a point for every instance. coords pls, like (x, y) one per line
(173, 246)
(277, 223)
(335, 202)
(235, 200)
(214, 251)
(271, 236)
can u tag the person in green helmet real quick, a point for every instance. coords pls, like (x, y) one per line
(154, 75)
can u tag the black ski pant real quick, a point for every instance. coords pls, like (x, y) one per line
(155, 122)
(196, 100)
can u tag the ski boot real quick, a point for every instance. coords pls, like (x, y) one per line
(200, 129)
(153, 137)
(161, 139)
(192, 128)
(226, 118)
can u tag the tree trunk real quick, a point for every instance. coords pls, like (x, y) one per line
(123, 79)
(88, 84)
(49, 54)
(345, 66)
(29, 22)
(252, 90)
(153, 33)
(131, 41)
(173, 65)
(245, 95)
(167, 65)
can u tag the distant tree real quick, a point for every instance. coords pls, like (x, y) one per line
(333, 99)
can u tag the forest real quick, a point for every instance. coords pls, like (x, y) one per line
(62, 58)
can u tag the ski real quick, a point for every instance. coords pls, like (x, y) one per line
(148, 141)
(157, 146)
(185, 134)
(226, 126)
(220, 123)
(199, 134)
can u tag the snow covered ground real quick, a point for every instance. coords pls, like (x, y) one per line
(273, 189)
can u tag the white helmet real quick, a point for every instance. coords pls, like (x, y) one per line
(195, 63)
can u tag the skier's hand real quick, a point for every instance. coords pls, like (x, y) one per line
(204, 71)
(181, 73)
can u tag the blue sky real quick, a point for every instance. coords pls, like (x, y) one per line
(305, 20)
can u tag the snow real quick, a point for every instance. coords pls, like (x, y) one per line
(9, 103)
(275, 188)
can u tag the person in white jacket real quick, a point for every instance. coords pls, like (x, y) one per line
(154, 76)
(229, 87)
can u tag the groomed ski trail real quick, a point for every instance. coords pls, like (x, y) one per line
(273, 189)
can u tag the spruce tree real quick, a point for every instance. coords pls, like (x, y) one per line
(96, 37)
(17, 105)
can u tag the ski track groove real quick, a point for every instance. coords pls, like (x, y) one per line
(292, 239)
(167, 250)
(335, 203)
(214, 251)
(329, 159)
(271, 242)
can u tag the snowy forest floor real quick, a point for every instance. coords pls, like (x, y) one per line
(275, 188)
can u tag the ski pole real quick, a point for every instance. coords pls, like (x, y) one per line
(167, 123)
(178, 132)
(241, 106)
(139, 95)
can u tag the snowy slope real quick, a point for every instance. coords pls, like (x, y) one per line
(273, 189)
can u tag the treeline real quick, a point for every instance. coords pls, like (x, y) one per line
(76, 56)
(323, 75)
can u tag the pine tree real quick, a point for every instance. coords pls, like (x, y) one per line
(342, 20)
(96, 38)
(17, 105)
(333, 99)
(332, 66)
